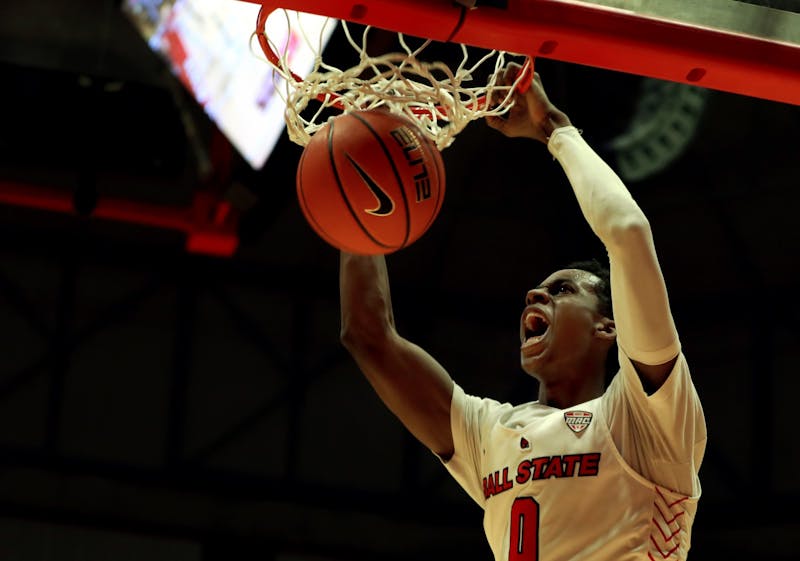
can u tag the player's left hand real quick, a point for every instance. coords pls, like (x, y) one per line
(532, 115)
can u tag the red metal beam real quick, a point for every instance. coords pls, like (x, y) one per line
(590, 35)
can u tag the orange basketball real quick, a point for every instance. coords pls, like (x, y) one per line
(370, 183)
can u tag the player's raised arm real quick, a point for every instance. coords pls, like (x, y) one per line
(645, 328)
(415, 387)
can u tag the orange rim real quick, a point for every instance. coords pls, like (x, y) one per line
(526, 72)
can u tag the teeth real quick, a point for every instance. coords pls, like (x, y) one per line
(531, 341)
(534, 320)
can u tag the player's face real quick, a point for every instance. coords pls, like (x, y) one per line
(559, 322)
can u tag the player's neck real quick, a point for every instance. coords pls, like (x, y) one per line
(568, 391)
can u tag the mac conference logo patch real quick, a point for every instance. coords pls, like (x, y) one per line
(577, 420)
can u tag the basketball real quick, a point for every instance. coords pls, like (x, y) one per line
(370, 183)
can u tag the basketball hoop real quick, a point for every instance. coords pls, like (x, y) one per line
(441, 100)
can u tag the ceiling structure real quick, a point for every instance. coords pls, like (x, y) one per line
(166, 403)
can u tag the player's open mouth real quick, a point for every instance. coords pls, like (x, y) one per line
(535, 326)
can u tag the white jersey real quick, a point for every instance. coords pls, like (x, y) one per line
(607, 480)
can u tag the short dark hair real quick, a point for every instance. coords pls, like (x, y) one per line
(602, 272)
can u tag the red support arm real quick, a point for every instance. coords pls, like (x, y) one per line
(590, 35)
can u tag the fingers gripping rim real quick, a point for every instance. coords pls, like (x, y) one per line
(525, 76)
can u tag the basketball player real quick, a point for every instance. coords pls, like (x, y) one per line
(585, 472)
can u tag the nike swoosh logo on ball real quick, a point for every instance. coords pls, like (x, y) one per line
(385, 203)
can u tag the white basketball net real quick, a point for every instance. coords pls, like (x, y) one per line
(439, 99)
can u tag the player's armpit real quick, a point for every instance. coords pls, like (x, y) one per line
(653, 376)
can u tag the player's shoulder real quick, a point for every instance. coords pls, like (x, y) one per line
(490, 410)
(678, 383)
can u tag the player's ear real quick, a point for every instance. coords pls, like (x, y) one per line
(605, 328)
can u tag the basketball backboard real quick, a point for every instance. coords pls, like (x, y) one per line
(769, 19)
(729, 45)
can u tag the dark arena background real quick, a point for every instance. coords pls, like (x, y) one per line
(171, 401)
